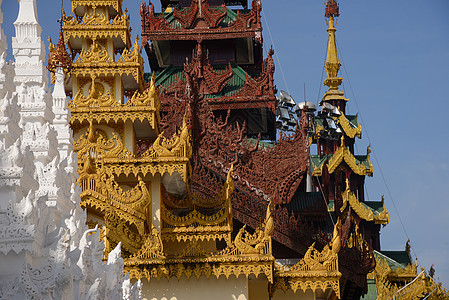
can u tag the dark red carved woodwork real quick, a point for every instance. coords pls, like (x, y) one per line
(356, 256)
(208, 80)
(142, 145)
(150, 21)
(263, 85)
(274, 172)
(290, 230)
(256, 92)
(248, 20)
(204, 27)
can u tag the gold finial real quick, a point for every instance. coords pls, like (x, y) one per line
(347, 183)
(332, 62)
(58, 55)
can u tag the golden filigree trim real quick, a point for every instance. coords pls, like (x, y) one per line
(99, 20)
(153, 248)
(198, 226)
(317, 270)
(116, 4)
(361, 209)
(119, 231)
(207, 269)
(343, 154)
(348, 128)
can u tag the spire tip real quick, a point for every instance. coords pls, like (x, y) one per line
(332, 9)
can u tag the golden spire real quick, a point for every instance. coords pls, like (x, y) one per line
(332, 63)
(58, 55)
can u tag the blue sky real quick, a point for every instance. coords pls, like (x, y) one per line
(395, 56)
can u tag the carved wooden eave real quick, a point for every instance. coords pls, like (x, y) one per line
(256, 92)
(350, 129)
(362, 210)
(344, 154)
(266, 173)
(156, 26)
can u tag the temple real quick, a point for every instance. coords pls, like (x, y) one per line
(195, 180)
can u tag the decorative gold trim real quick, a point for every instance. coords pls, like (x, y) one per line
(317, 270)
(248, 254)
(197, 226)
(97, 26)
(116, 4)
(343, 153)
(348, 128)
(362, 210)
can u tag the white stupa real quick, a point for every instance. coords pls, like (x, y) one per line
(46, 249)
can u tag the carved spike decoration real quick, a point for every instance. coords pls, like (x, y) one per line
(151, 22)
(264, 85)
(249, 20)
(199, 10)
(208, 80)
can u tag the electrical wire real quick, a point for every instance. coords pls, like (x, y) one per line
(374, 155)
(275, 52)
(324, 199)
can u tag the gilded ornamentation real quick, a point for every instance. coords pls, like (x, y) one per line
(96, 54)
(117, 5)
(317, 270)
(361, 209)
(344, 154)
(258, 243)
(196, 225)
(332, 66)
(176, 146)
(152, 249)
(119, 231)
(348, 127)
(387, 281)
(96, 98)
